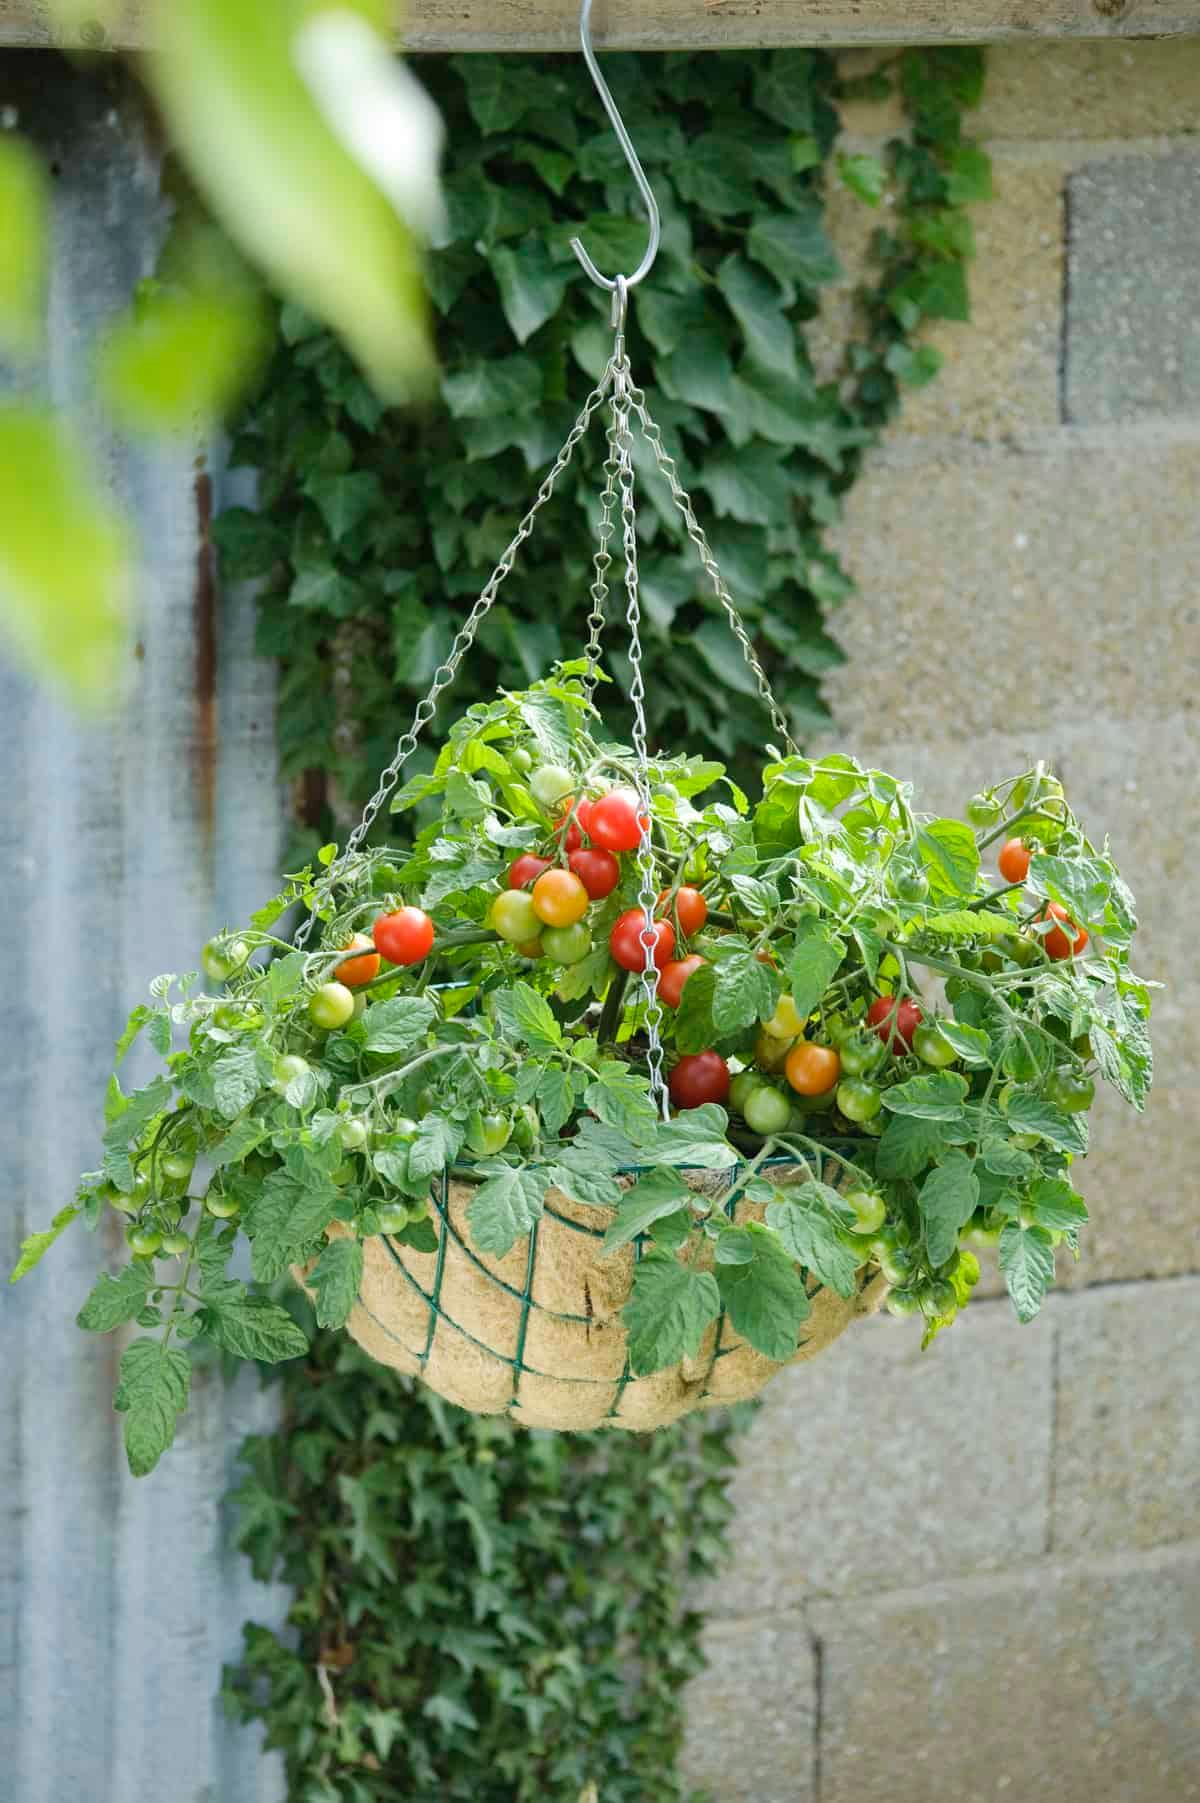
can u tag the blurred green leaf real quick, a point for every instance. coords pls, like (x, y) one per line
(65, 558)
(260, 144)
(24, 197)
(180, 361)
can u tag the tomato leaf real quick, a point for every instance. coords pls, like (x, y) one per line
(907, 1145)
(695, 1029)
(947, 1200)
(807, 1220)
(656, 1194)
(816, 958)
(971, 1043)
(695, 1137)
(399, 1024)
(555, 1095)
(1030, 1113)
(506, 1205)
(621, 1098)
(937, 1096)
(437, 1144)
(250, 1326)
(951, 858)
(764, 1296)
(237, 1079)
(285, 1217)
(526, 1016)
(153, 1389)
(115, 1300)
(139, 1110)
(1056, 1204)
(746, 990)
(239, 1142)
(670, 1306)
(36, 1245)
(1027, 1261)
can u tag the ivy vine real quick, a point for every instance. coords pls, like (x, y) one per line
(375, 528)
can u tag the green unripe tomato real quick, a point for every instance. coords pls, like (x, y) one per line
(806, 1105)
(512, 916)
(404, 1125)
(352, 1133)
(862, 1053)
(983, 810)
(288, 1069)
(526, 1128)
(898, 1264)
(520, 759)
(550, 782)
(488, 1134)
(177, 1166)
(567, 945)
(912, 885)
(143, 1242)
(343, 1174)
(393, 1217)
(168, 1215)
(331, 1006)
(903, 1302)
(766, 1110)
(979, 1233)
(221, 957)
(426, 1099)
(858, 1100)
(175, 1245)
(124, 1203)
(234, 1018)
(222, 1208)
(1074, 1094)
(932, 1047)
(743, 1085)
(938, 1299)
(869, 1208)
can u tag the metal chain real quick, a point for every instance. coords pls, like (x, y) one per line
(601, 562)
(682, 500)
(446, 672)
(648, 885)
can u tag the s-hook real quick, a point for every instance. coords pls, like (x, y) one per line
(618, 287)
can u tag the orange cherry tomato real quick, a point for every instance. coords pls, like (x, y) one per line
(357, 971)
(1056, 942)
(812, 1070)
(691, 909)
(1014, 860)
(559, 898)
(674, 976)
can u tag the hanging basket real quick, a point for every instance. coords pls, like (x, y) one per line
(537, 1335)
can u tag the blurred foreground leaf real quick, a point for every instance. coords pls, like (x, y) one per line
(261, 147)
(65, 559)
(181, 360)
(23, 211)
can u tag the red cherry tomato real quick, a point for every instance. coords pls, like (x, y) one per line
(1014, 860)
(894, 1021)
(691, 909)
(404, 937)
(357, 971)
(1056, 942)
(614, 823)
(698, 1078)
(624, 942)
(598, 871)
(577, 828)
(525, 870)
(674, 976)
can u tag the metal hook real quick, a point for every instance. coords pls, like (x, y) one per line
(631, 157)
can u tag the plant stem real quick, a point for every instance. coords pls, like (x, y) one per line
(610, 1014)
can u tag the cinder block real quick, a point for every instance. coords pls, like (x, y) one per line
(1127, 1440)
(1132, 330)
(1099, 89)
(751, 1721)
(1076, 1684)
(879, 1466)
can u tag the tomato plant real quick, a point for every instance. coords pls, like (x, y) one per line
(317, 1096)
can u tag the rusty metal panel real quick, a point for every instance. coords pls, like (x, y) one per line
(123, 844)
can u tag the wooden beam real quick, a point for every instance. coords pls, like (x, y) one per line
(705, 24)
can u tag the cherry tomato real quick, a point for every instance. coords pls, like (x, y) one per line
(625, 944)
(176, 1244)
(858, 1100)
(894, 1020)
(932, 1047)
(766, 1110)
(690, 908)
(330, 1006)
(912, 885)
(404, 937)
(520, 759)
(531, 949)
(869, 1208)
(354, 972)
(143, 1242)
(1014, 860)
(983, 810)
(512, 916)
(288, 1069)
(234, 1017)
(525, 870)
(786, 1022)
(903, 1302)
(221, 1208)
(559, 898)
(898, 1263)
(698, 1078)
(771, 1054)
(488, 1134)
(614, 823)
(740, 1087)
(674, 976)
(567, 945)
(1073, 1094)
(527, 1127)
(597, 870)
(861, 1055)
(177, 1166)
(1057, 944)
(352, 1133)
(221, 957)
(938, 1299)
(392, 1217)
(812, 1069)
(549, 783)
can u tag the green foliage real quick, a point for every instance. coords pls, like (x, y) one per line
(377, 527)
(480, 1612)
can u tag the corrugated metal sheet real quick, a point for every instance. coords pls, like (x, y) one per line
(123, 845)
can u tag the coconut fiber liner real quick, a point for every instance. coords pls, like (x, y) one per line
(537, 1335)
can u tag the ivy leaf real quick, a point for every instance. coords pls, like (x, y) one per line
(399, 1024)
(746, 990)
(252, 1327)
(115, 1300)
(969, 176)
(506, 1205)
(1027, 1261)
(908, 1143)
(531, 285)
(35, 1246)
(864, 176)
(937, 1096)
(344, 500)
(951, 858)
(621, 1098)
(764, 1296)
(932, 291)
(153, 1389)
(526, 1016)
(669, 1308)
(816, 960)
(807, 1220)
(794, 244)
(757, 304)
(948, 1198)
(493, 385)
(656, 1194)
(336, 1278)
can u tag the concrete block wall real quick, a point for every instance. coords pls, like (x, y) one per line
(974, 1573)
